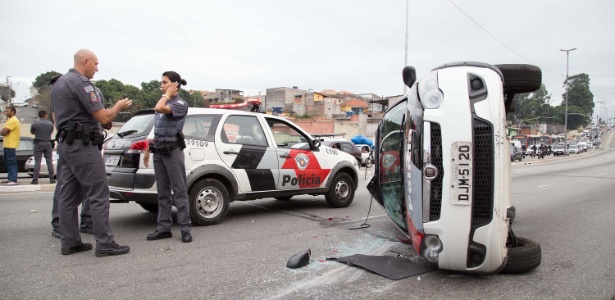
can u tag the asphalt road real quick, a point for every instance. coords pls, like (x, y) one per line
(564, 204)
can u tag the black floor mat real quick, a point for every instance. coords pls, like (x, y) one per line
(394, 268)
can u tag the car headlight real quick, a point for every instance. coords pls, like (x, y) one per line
(432, 246)
(429, 93)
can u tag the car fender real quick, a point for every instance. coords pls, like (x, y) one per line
(209, 170)
(344, 166)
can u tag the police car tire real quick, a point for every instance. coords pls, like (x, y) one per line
(520, 78)
(524, 258)
(342, 184)
(219, 194)
(153, 208)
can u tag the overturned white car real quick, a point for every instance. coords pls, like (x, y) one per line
(443, 166)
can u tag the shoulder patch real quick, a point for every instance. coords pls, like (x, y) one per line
(93, 97)
(181, 102)
(88, 88)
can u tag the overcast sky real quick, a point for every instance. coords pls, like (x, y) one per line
(352, 45)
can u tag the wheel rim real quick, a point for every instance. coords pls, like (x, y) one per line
(342, 189)
(209, 202)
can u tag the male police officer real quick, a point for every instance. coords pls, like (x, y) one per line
(43, 145)
(78, 111)
(86, 218)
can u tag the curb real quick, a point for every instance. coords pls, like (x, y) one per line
(27, 188)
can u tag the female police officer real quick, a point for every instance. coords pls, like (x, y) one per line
(169, 164)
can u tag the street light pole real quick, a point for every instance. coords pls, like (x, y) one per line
(566, 115)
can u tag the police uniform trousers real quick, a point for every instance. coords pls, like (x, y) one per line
(86, 218)
(43, 148)
(84, 174)
(170, 173)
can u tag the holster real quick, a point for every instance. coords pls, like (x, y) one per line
(181, 141)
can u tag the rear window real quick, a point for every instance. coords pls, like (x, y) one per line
(138, 125)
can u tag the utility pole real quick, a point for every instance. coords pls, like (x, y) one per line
(406, 50)
(566, 116)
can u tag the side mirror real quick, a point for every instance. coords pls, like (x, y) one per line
(315, 143)
(409, 76)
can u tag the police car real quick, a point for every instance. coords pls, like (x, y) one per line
(442, 168)
(231, 156)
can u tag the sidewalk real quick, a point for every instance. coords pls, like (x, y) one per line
(25, 186)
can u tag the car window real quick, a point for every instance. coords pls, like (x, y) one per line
(286, 136)
(25, 145)
(245, 130)
(202, 127)
(348, 148)
(138, 125)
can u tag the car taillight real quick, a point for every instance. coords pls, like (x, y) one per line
(140, 145)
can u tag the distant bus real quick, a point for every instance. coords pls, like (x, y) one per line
(523, 139)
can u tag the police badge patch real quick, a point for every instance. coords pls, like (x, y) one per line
(93, 97)
(302, 161)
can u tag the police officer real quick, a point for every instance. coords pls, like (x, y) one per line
(43, 145)
(169, 164)
(78, 111)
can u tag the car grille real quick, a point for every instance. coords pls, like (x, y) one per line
(435, 197)
(482, 202)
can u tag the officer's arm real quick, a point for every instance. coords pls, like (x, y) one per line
(107, 115)
(32, 128)
(161, 106)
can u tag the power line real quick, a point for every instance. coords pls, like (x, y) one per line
(498, 40)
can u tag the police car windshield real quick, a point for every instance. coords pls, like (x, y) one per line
(137, 125)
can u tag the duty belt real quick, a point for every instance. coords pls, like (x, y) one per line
(163, 148)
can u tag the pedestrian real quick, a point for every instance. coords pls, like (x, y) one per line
(169, 167)
(43, 146)
(86, 218)
(79, 111)
(11, 133)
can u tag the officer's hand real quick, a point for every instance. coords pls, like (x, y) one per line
(124, 103)
(146, 158)
(108, 125)
(172, 90)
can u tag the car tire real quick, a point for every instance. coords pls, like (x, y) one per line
(209, 202)
(153, 208)
(523, 258)
(285, 198)
(341, 191)
(520, 78)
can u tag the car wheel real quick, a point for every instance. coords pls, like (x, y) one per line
(209, 202)
(285, 198)
(520, 78)
(341, 191)
(153, 208)
(523, 258)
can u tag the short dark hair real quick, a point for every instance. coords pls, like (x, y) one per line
(54, 79)
(174, 77)
(42, 113)
(12, 108)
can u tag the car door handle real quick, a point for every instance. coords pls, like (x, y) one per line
(231, 152)
(286, 155)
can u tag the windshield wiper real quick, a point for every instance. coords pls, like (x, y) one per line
(125, 133)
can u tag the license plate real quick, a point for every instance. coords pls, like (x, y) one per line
(112, 160)
(461, 173)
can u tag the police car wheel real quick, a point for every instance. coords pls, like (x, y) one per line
(520, 78)
(341, 191)
(209, 202)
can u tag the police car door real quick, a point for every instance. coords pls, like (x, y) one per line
(245, 148)
(300, 167)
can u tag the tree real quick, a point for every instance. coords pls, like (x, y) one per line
(43, 79)
(532, 105)
(579, 94)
